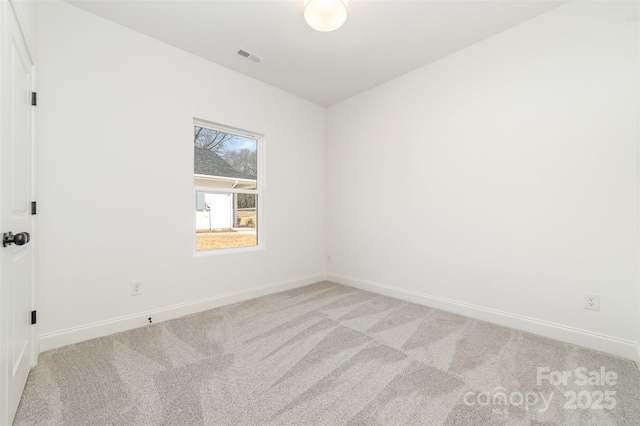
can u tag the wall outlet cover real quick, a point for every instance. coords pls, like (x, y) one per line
(592, 301)
(136, 288)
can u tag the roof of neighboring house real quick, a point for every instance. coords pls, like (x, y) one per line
(209, 163)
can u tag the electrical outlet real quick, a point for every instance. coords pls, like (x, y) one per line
(136, 288)
(328, 258)
(592, 301)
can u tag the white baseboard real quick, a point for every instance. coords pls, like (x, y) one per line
(104, 328)
(612, 345)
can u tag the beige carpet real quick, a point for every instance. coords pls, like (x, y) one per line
(326, 354)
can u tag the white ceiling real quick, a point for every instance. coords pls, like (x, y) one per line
(380, 40)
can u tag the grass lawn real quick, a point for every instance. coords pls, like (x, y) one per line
(227, 238)
(244, 215)
(217, 241)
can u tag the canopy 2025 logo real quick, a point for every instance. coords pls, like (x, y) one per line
(581, 376)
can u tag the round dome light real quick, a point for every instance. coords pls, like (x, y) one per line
(325, 15)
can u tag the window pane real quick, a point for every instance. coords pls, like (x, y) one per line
(225, 177)
(225, 160)
(226, 220)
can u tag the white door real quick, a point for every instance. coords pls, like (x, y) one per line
(16, 183)
(219, 210)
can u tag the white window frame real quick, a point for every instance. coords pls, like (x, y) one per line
(259, 191)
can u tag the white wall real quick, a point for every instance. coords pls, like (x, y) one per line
(116, 111)
(501, 181)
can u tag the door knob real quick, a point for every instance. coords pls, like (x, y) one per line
(19, 239)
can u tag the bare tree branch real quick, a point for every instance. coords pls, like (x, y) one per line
(211, 139)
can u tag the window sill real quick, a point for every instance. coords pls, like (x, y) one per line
(225, 251)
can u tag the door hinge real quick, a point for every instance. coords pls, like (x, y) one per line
(33, 317)
(34, 98)
(33, 207)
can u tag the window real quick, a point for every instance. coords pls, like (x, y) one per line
(226, 167)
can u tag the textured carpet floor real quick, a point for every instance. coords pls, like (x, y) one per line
(326, 354)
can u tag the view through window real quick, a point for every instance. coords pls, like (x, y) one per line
(225, 175)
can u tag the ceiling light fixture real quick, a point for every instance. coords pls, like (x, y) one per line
(325, 15)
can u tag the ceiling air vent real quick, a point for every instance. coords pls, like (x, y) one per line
(250, 56)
